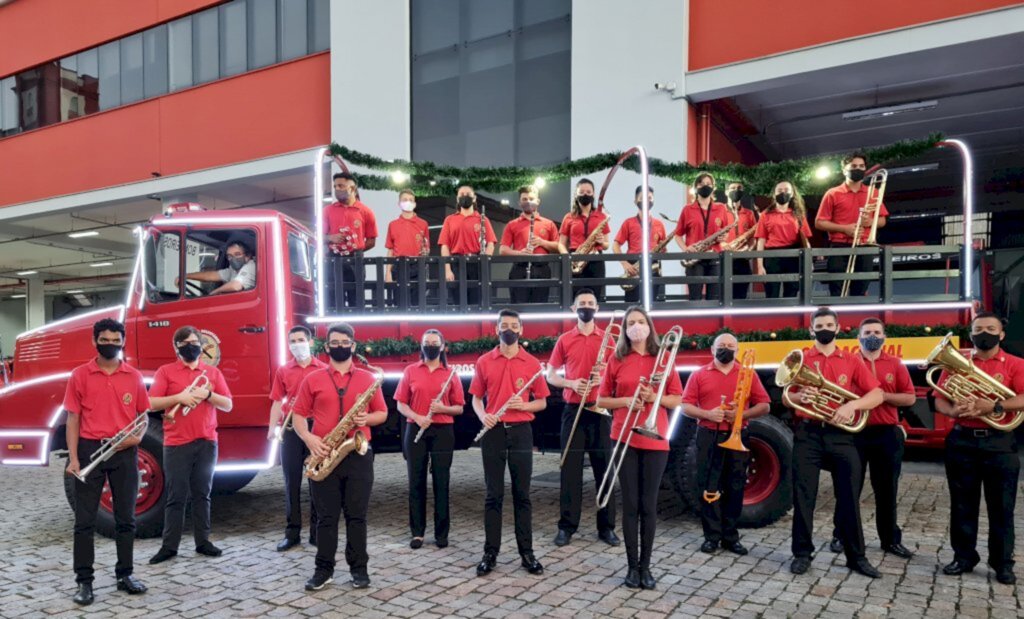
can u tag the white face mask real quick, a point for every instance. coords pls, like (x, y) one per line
(638, 332)
(300, 350)
(407, 206)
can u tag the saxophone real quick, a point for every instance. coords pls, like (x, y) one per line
(587, 247)
(706, 244)
(337, 439)
(655, 266)
(740, 241)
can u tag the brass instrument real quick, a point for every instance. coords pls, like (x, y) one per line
(587, 247)
(965, 381)
(739, 241)
(201, 382)
(655, 266)
(664, 363)
(740, 398)
(438, 399)
(135, 429)
(504, 407)
(707, 243)
(793, 372)
(611, 335)
(872, 208)
(337, 439)
(529, 248)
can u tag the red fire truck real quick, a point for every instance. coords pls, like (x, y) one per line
(244, 334)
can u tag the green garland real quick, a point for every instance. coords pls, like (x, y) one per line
(430, 179)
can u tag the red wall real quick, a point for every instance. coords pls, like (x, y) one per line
(755, 28)
(275, 110)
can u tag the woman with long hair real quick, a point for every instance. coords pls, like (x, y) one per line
(783, 225)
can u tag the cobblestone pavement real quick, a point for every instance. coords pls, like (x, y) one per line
(580, 580)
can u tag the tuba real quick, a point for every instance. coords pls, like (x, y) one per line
(793, 372)
(337, 439)
(965, 381)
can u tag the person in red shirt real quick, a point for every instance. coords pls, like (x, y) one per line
(708, 397)
(577, 351)
(190, 440)
(584, 219)
(516, 240)
(462, 235)
(500, 375)
(631, 233)
(979, 456)
(326, 396)
(102, 397)
(838, 214)
(735, 193)
(819, 445)
(408, 236)
(293, 450)
(699, 220)
(782, 226)
(350, 229)
(645, 458)
(881, 443)
(428, 396)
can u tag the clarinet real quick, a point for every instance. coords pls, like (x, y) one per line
(483, 232)
(529, 240)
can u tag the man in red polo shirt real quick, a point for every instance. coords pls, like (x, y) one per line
(881, 443)
(585, 218)
(517, 240)
(708, 397)
(979, 456)
(461, 236)
(698, 220)
(500, 375)
(818, 445)
(838, 214)
(631, 233)
(408, 236)
(102, 397)
(326, 396)
(293, 450)
(190, 440)
(350, 228)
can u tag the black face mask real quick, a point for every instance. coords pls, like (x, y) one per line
(508, 337)
(431, 352)
(189, 352)
(585, 200)
(725, 355)
(705, 191)
(586, 314)
(783, 197)
(108, 351)
(856, 175)
(985, 341)
(465, 202)
(650, 205)
(736, 195)
(340, 353)
(824, 336)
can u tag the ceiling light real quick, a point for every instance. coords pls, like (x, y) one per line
(17, 296)
(822, 172)
(890, 110)
(26, 272)
(79, 235)
(539, 182)
(101, 264)
(74, 292)
(923, 167)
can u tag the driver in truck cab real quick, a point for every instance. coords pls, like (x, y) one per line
(239, 275)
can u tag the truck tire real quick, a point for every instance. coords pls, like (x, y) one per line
(676, 471)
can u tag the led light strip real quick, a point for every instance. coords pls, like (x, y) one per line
(250, 466)
(57, 323)
(966, 274)
(318, 212)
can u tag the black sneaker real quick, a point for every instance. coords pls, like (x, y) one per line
(836, 545)
(208, 549)
(319, 580)
(800, 565)
(162, 555)
(360, 580)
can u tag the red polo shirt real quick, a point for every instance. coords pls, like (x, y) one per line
(894, 378)
(420, 385)
(358, 221)
(844, 369)
(779, 229)
(695, 224)
(406, 238)
(578, 353)
(842, 206)
(517, 232)
(318, 398)
(461, 233)
(620, 380)
(747, 221)
(105, 403)
(201, 422)
(288, 378)
(498, 378)
(1003, 367)
(577, 228)
(708, 385)
(631, 233)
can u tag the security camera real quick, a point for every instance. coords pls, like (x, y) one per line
(668, 86)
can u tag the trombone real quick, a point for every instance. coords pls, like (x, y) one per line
(135, 429)
(872, 207)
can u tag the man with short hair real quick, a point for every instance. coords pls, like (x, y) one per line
(518, 240)
(350, 230)
(461, 234)
(239, 275)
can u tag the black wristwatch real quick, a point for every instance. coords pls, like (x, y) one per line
(997, 408)
(209, 394)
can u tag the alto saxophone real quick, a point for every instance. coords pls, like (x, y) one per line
(655, 266)
(740, 241)
(337, 439)
(707, 243)
(587, 247)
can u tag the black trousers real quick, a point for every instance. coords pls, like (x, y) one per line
(881, 452)
(633, 296)
(703, 268)
(816, 447)
(594, 269)
(639, 481)
(837, 264)
(593, 439)
(434, 451)
(741, 266)
(189, 474)
(293, 455)
(472, 284)
(391, 294)
(511, 445)
(346, 489)
(532, 294)
(781, 266)
(341, 279)
(725, 471)
(122, 471)
(976, 460)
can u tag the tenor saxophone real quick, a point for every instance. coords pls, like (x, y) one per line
(337, 439)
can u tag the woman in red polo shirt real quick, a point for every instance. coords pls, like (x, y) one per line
(782, 226)
(645, 459)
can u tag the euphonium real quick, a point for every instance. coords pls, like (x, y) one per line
(793, 372)
(965, 381)
(337, 439)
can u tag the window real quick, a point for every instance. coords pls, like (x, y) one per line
(161, 260)
(206, 254)
(205, 48)
(179, 52)
(293, 27)
(110, 75)
(262, 35)
(9, 124)
(299, 258)
(319, 25)
(154, 59)
(232, 39)
(132, 87)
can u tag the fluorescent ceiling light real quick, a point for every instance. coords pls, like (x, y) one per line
(924, 167)
(890, 110)
(26, 272)
(101, 264)
(17, 296)
(78, 235)
(74, 292)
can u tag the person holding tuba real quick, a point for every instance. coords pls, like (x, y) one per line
(428, 395)
(530, 233)
(980, 456)
(585, 230)
(700, 223)
(631, 232)
(328, 396)
(708, 398)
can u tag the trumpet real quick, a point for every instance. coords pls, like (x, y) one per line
(793, 372)
(872, 208)
(135, 429)
(438, 399)
(201, 382)
(504, 407)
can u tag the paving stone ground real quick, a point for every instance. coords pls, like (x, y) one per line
(583, 579)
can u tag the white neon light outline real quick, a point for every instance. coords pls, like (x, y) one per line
(280, 320)
(44, 452)
(966, 273)
(318, 214)
(139, 265)
(211, 220)
(250, 466)
(62, 321)
(33, 381)
(645, 230)
(55, 417)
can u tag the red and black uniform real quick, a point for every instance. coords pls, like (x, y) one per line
(720, 469)
(461, 235)
(631, 234)
(818, 445)
(105, 403)
(981, 457)
(741, 266)
(782, 230)
(516, 236)
(577, 227)
(325, 396)
(578, 353)
(293, 450)
(645, 459)
(842, 206)
(356, 224)
(407, 237)
(190, 451)
(419, 386)
(696, 224)
(510, 441)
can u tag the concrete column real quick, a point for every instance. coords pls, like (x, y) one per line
(35, 303)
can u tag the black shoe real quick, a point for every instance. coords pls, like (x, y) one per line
(209, 550)
(800, 565)
(862, 566)
(486, 565)
(957, 567)
(286, 543)
(735, 547)
(312, 541)
(632, 578)
(562, 538)
(417, 542)
(899, 550)
(531, 563)
(646, 580)
(83, 597)
(608, 537)
(131, 585)
(1005, 576)
(162, 555)
(319, 580)
(360, 580)
(441, 542)
(836, 545)
(709, 547)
